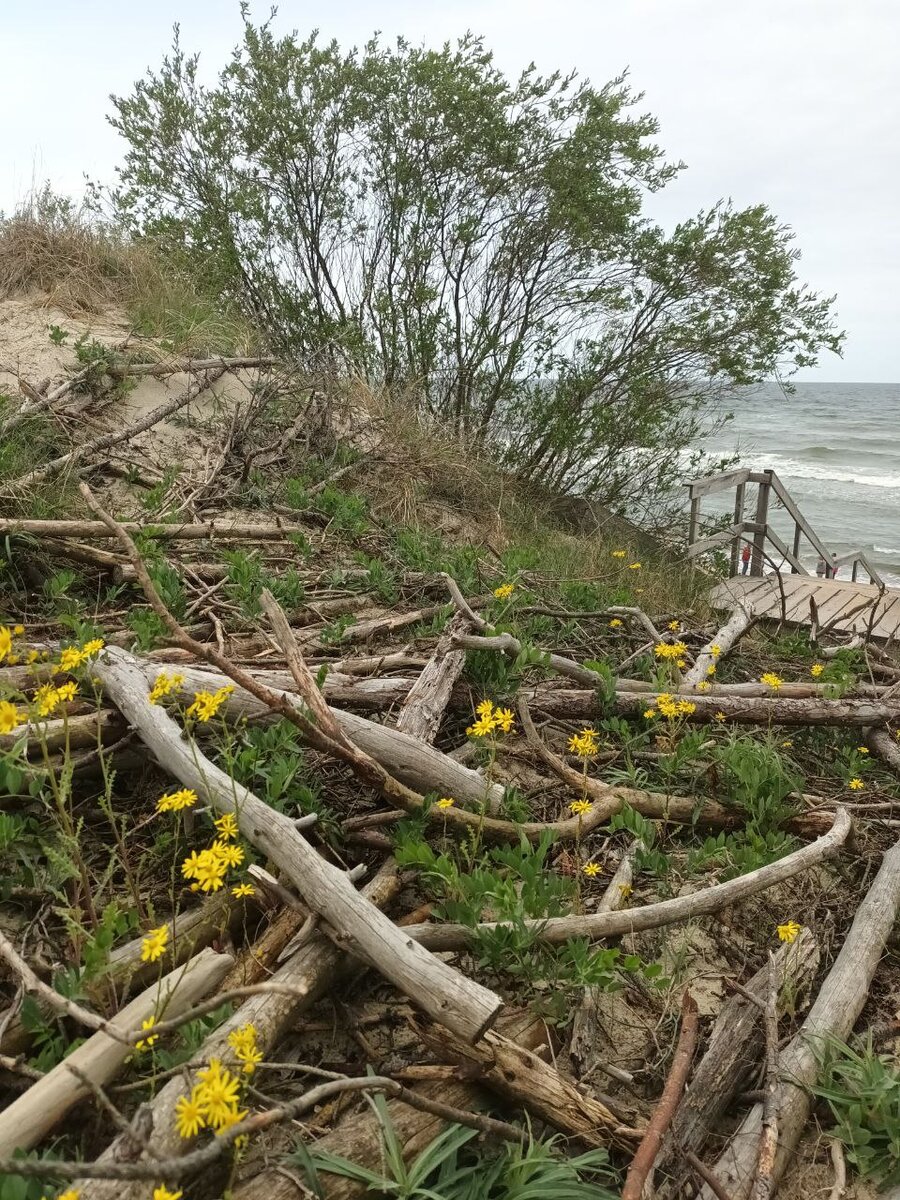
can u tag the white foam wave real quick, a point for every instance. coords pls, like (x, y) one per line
(792, 468)
(885, 549)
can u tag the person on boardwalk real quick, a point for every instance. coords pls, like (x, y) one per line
(745, 559)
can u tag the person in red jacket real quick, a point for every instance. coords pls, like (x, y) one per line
(745, 559)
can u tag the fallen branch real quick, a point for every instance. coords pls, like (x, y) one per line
(427, 699)
(833, 1015)
(731, 632)
(211, 530)
(182, 366)
(642, 1163)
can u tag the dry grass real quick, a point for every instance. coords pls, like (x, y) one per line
(61, 255)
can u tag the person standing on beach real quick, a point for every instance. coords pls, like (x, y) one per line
(834, 566)
(822, 567)
(745, 559)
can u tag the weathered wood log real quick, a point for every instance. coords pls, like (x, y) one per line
(734, 1051)
(311, 971)
(32, 1115)
(731, 632)
(427, 699)
(443, 992)
(522, 1077)
(833, 1014)
(666, 912)
(181, 366)
(211, 530)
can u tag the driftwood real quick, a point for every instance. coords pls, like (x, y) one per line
(311, 971)
(82, 451)
(32, 1115)
(735, 1049)
(181, 366)
(666, 912)
(427, 699)
(465, 1006)
(525, 1079)
(730, 633)
(212, 530)
(834, 1013)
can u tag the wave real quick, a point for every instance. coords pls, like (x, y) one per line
(886, 549)
(791, 467)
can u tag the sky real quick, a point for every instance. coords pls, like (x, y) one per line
(792, 103)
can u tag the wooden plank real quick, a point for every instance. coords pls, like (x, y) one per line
(717, 483)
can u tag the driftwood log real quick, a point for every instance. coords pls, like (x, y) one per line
(33, 1114)
(727, 637)
(444, 993)
(833, 1014)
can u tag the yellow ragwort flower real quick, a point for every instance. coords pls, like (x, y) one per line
(711, 669)
(445, 802)
(788, 932)
(584, 744)
(94, 646)
(218, 1094)
(676, 650)
(625, 890)
(226, 825)
(243, 1043)
(207, 868)
(816, 670)
(46, 699)
(649, 713)
(862, 749)
(615, 623)
(618, 553)
(703, 685)
(481, 728)
(787, 744)
(163, 1193)
(720, 716)
(231, 856)
(674, 626)
(18, 630)
(504, 591)
(770, 679)
(70, 658)
(591, 869)
(69, 1194)
(146, 1043)
(66, 691)
(176, 801)
(856, 784)
(580, 807)
(715, 649)
(189, 1115)
(503, 719)
(164, 685)
(5, 642)
(154, 944)
(242, 890)
(635, 566)
(10, 717)
(207, 704)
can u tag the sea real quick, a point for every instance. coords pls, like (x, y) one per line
(836, 447)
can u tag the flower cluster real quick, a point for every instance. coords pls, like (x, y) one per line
(146, 1043)
(504, 591)
(48, 698)
(671, 707)
(584, 744)
(788, 932)
(618, 553)
(73, 657)
(164, 685)
(676, 650)
(154, 944)
(10, 717)
(243, 1043)
(214, 1103)
(770, 679)
(176, 801)
(816, 670)
(208, 867)
(490, 719)
(207, 704)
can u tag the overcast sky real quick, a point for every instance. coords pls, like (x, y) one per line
(795, 103)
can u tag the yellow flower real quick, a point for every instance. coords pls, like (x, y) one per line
(176, 801)
(615, 623)
(218, 1094)
(5, 642)
(18, 630)
(67, 691)
(674, 626)
(146, 1043)
(243, 889)
(670, 650)
(856, 785)
(189, 1116)
(681, 664)
(625, 890)
(618, 553)
(485, 708)
(445, 802)
(163, 1193)
(504, 591)
(226, 825)
(715, 649)
(10, 717)
(703, 685)
(207, 868)
(207, 704)
(788, 744)
(584, 744)
(71, 658)
(591, 869)
(243, 1043)
(711, 669)
(231, 856)
(94, 646)
(154, 944)
(482, 727)
(580, 807)
(503, 719)
(649, 713)
(816, 670)
(13, 659)
(32, 656)
(770, 679)
(635, 566)
(788, 932)
(862, 749)
(69, 1194)
(46, 699)
(164, 685)
(720, 716)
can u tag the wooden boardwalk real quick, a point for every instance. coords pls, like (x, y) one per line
(833, 597)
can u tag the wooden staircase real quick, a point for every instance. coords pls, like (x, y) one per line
(778, 585)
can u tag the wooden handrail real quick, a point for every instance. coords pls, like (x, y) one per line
(761, 528)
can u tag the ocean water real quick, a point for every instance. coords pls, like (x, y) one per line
(836, 447)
